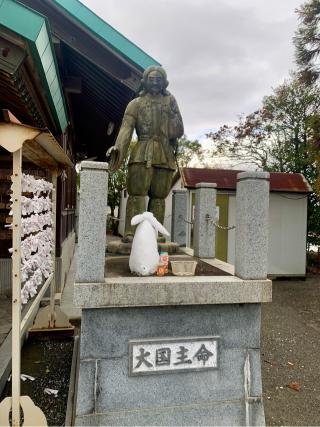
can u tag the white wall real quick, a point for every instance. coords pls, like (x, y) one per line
(231, 233)
(168, 211)
(287, 233)
(123, 205)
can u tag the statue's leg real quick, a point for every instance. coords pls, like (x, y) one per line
(138, 184)
(160, 187)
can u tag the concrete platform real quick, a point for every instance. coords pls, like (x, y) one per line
(141, 308)
(67, 304)
(133, 291)
(118, 266)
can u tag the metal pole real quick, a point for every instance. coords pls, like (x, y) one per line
(53, 253)
(16, 286)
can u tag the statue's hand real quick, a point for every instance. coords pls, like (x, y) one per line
(113, 158)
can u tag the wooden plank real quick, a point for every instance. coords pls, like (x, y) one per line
(33, 416)
(16, 286)
(47, 141)
(36, 154)
(9, 117)
(12, 136)
(28, 316)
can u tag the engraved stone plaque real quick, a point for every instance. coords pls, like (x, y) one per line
(169, 355)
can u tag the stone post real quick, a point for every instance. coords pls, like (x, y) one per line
(205, 215)
(179, 214)
(92, 222)
(252, 212)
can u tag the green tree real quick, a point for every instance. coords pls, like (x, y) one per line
(307, 40)
(188, 150)
(282, 136)
(117, 181)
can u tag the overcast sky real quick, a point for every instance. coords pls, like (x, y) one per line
(221, 56)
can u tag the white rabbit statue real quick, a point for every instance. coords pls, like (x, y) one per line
(144, 257)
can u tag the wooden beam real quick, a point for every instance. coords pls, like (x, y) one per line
(72, 84)
(28, 317)
(36, 154)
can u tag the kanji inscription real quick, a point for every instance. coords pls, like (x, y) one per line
(172, 355)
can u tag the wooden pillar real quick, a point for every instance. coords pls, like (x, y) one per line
(16, 285)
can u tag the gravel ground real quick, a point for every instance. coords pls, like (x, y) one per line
(49, 362)
(290, 353)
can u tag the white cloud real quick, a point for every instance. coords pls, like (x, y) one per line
(221, 56)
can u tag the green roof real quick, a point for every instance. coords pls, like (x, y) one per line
(107, 33)
(34, 28)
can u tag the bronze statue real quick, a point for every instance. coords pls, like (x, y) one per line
(158, 123)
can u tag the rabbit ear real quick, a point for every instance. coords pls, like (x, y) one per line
(137, 219)
(159, 227)
(162, 230)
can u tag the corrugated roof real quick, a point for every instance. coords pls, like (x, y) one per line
(107, 33)
(33, 27)
(107, 66)
(226, 179)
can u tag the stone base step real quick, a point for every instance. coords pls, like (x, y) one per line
(120, 248)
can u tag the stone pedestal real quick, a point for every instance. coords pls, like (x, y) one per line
(92, 221)
(124, 309)
(252, 225)
(179, 215)
(204, 218)
(121, 248)
(172, 350)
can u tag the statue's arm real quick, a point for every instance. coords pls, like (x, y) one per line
(117, 153)
(176, 124)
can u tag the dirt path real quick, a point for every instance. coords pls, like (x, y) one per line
(291, 353)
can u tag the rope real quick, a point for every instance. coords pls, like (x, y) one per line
(114, 218)
(222, 227)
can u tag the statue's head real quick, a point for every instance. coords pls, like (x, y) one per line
(154, 81)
